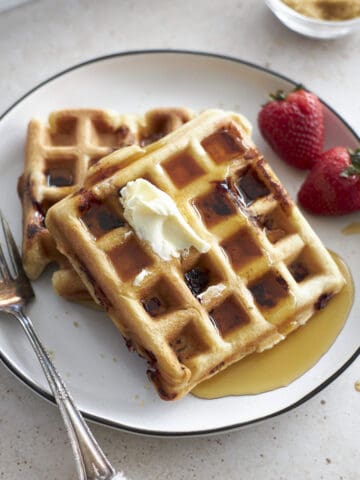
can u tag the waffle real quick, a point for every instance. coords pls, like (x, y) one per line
(58, 156)
(265, 274)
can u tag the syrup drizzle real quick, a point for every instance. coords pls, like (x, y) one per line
(351, 229)
(278, 367)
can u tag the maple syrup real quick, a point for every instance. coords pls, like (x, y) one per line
(100, 219)
(108, 136)
(241, 249)
(197, 280)
(215, 205)
(351, 229)
(129, 259)
(228, 316)
(64, 132)
(269, 290)
(275, 224)
(250, 187)
(154, 306)
(188, 342)
(160, 299)
(278, 367)
(161, 124)
(183, 169)
(224, 145)
(201, 275)
(59, 177)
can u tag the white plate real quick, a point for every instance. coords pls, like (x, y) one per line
(108, 382)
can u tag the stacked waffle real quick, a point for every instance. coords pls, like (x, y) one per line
(264, 274)
(58, 156)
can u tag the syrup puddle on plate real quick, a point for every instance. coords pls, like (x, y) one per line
(351, 229)
(278, 367)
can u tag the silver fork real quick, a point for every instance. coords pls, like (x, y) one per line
(15, 293)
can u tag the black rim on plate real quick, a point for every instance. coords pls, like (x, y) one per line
(44, 394)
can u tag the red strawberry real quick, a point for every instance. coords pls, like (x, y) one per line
(294, 126)
(332, 187)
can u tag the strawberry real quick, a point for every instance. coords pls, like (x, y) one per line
(332, 186)
(294, 126)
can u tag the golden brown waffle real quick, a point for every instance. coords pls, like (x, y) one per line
(58, 156)
(265, 274)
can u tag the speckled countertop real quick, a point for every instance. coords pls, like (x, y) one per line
(318, 440)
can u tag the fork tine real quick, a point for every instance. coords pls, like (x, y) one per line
(4, 271)
(14, 254)
(24, 287)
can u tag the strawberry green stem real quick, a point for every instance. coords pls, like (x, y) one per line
(298, 87)
(354, 167)
(279, 95)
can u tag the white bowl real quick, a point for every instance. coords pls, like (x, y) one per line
(311, 27)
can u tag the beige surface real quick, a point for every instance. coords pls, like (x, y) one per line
(317, 440)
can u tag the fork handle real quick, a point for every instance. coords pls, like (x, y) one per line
(91, 462)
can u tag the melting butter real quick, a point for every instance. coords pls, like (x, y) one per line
(156, 219)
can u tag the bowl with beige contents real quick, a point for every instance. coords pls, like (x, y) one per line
(323, 19)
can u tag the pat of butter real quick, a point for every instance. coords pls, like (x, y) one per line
(155, 218)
